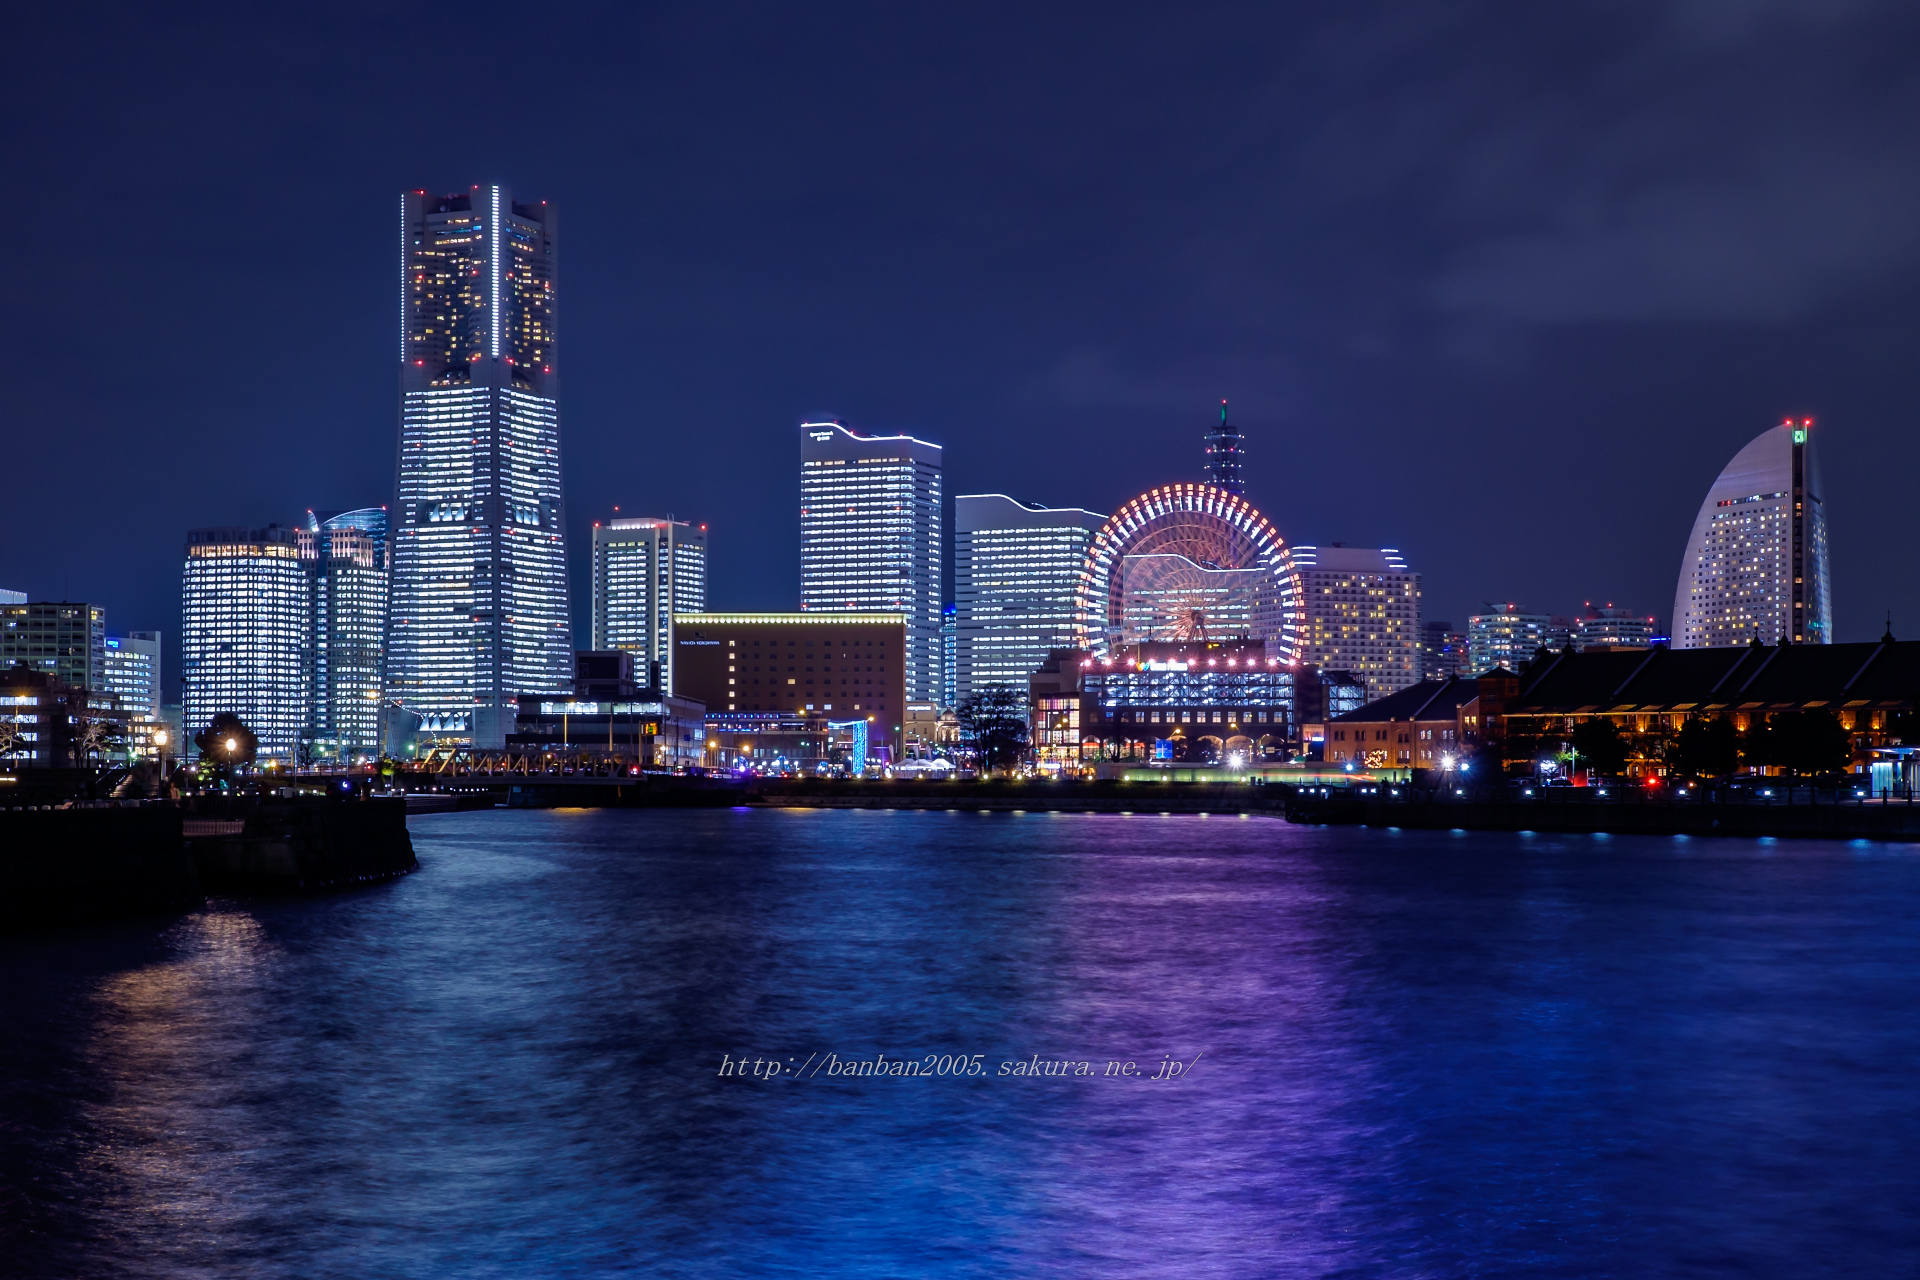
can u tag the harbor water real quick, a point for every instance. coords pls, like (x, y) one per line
(842, 1043)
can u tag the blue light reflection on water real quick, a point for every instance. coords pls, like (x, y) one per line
(1426, 1054)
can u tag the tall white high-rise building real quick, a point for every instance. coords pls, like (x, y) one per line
(870, 536)
(1756, 563)
(479, 597)
(1361, 614)
(1016, 578)
(644, 572)
(246, 634)
(348, 554)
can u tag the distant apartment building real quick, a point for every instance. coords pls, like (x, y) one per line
(66, 639)
(1016, 577)
(1443, 651)
(870, 537)
(1361, 610)
(246, 634)
(1605, 627)
(1506, 637)
(645, 570)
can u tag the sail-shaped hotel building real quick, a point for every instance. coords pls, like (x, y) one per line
(1756, 564)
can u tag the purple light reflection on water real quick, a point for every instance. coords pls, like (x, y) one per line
(1425, 1054)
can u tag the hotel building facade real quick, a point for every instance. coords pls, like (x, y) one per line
(765, 669)
(870, 539)
(1755, 567)
(1361, 610)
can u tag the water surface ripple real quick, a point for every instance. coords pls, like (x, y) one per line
(1425, 1055)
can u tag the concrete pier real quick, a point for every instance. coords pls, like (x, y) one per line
(298, 846)
(70, 866)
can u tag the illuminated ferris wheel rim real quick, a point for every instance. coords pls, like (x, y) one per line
(1118, 536)
(1113, 540)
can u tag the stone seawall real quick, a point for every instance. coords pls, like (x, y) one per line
(301, 846)
(71, 866)
(1807, 821)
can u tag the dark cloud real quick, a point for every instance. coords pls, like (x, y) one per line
(1500, 284)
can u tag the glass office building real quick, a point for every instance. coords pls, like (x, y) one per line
(479, 590)
(348, 554)
(246, 631)
(644, 572)
(1016, 576)
(870, 536)
(1755, 567)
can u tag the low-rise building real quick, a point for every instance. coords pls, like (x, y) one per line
(1178, 700)
(821, 668)
(1417, 728)
(609, 714)
(47, 723)
(1650, 694)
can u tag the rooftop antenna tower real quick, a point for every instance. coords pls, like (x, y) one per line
(1226, 450)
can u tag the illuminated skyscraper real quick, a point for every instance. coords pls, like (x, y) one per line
(870, 536)
(1226, 450)
(1016, 574)
(644, 572)
(1756, 563)
(1362, 609)
(246, 633)
(479, 598)
(348, 555)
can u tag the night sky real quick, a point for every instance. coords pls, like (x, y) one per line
(1502, 285)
